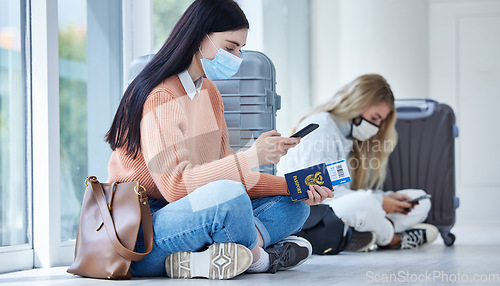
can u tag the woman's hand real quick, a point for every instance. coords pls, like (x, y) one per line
(399, 196)
(317, 195)
(269, 148)
(395, 203)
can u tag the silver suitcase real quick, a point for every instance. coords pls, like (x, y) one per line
(250, 101)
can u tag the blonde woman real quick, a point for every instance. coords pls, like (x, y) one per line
(357, 124)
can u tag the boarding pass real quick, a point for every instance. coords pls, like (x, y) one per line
(339, 173)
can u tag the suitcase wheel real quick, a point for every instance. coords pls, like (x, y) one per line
(449, 239)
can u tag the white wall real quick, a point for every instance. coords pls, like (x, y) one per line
(280, 29)
(325, 49)
(465, 73)
(354, 37)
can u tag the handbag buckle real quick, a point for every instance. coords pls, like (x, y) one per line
(90, 178)
(140, 193)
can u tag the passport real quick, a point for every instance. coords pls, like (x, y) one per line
(299, 181)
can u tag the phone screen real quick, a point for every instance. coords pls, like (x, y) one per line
(426, 196)
(306, 130)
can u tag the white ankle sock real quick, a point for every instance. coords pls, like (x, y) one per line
(262, 264)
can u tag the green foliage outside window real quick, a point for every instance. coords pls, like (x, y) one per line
(73, 121)
(166, 14)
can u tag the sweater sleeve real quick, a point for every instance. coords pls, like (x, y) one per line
(324, 145)
(166, 154)
(259, 184)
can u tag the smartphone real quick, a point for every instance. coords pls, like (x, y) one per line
(306, 130)
(414, 200)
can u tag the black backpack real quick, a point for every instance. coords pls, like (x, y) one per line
(325, 231)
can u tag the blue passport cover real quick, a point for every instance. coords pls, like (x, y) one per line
(299, 181)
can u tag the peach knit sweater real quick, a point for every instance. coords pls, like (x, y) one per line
(185, 145)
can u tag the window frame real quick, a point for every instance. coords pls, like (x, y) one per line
(41, 28)
(20, 257)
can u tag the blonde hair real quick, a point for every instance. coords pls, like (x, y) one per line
(349, 103)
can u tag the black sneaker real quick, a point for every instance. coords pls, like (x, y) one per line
(288, 253)
(361, 241)
(419, 235)
(219, 261)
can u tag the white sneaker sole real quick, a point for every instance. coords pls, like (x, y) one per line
(219, 261)
(431, 232)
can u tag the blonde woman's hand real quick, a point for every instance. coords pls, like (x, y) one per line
(393, 205)
(399, 196)
(269, 148)
(317, 195)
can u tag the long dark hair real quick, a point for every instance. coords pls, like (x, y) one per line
(202, 17)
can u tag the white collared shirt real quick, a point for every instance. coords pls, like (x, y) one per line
(191, 88)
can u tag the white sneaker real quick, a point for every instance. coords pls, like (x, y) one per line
(288, 253)
(219, 261)
(419, 235)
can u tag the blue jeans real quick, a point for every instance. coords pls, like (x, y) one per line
(220, 211)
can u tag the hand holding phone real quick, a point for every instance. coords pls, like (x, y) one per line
(306, 130)
(414, 200)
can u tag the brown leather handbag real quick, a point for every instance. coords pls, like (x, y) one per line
(109, 224)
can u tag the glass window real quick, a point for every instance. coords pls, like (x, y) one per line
(286, 36)
(13, 159)
(89, 91)
(165, 14)
(72, 110)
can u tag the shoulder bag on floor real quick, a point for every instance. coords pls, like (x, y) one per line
(325, 231)
(109, 224)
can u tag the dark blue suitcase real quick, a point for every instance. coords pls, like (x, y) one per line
(424, 158)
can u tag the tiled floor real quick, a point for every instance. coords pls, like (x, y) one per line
(473, 260)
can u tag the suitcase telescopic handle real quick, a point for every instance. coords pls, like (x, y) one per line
(414, 108)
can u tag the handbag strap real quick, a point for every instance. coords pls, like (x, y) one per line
(147, 225)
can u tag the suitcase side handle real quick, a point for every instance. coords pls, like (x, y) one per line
(273, 99)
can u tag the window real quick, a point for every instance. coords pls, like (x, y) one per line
(165, 14)
(90, 87)
(13, 171)
(72, 110)
(61, 79)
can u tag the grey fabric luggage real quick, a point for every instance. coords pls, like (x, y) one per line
(424, 158)
(250, 99)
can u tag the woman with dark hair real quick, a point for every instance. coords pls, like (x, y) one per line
(212, 216)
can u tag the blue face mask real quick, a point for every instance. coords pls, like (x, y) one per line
(223, 66)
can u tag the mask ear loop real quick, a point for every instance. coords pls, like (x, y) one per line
(199, 49)
(212, 43)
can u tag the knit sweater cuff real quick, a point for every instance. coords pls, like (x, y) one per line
(260, 184)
